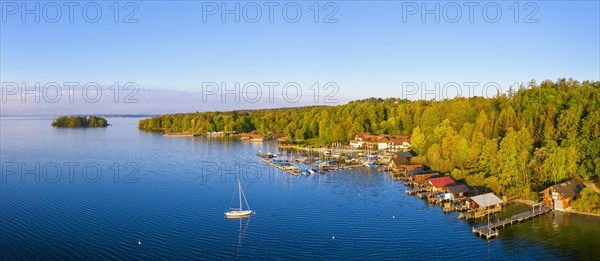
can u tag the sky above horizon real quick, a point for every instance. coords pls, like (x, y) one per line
(182, 56)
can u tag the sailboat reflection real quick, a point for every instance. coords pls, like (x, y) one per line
(241, 232)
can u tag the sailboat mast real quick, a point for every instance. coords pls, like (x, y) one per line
(240, 192)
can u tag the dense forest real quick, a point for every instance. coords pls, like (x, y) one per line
(516, 143)
(79, 122)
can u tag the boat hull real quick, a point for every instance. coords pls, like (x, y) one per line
(238, 213)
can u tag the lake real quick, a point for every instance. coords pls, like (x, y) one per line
(121, 193)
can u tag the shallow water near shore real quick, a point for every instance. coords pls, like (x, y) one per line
(128, 194)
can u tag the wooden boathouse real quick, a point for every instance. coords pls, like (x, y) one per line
(482, 205)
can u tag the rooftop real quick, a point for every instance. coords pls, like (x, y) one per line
(458, 189)
(442, 182)
(413, 167)
(400, 161)
(486, 200)
(569, 189)
(403, 154)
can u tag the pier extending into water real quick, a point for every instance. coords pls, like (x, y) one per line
(491, 230)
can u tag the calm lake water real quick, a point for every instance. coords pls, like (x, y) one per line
(121, 193)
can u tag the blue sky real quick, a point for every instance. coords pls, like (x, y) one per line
(374, 49)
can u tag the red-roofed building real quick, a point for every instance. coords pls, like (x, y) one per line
(440, 183)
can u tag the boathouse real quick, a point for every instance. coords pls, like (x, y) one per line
(396, 164)
(440, 183)
(488, 201)
(560, 195)
(402, 155)
(457, 192)
(400, 159)
(423, 178)
(414, 169)
(257, 138)
(251, 137)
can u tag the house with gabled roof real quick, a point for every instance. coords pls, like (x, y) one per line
(412, 169)
(440, 183)
(487, 201)
(457, 192)
(422, 178)
(559, 196)
(382, 141)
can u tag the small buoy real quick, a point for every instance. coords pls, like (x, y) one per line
(393, 216)
(139, 242)
(333, 237)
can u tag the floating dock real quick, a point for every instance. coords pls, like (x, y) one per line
(491, 230)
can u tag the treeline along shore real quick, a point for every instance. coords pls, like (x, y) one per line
(516, 143)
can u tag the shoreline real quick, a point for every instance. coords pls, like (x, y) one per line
(524, 201)
(320, 149)
(344, 150)
(179, 135)
(518, 200)
(572, 211)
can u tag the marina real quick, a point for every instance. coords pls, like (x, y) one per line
(436, 190)
(432, 187)
(307, 161)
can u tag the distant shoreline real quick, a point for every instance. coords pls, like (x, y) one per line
(179, 135)
(301, 147)
(98, 115)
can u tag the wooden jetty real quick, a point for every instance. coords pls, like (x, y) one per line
(409, 183)
(491, 230)
(460, 208)
(416, 191)
(478, 213)
(435, 200)
(486, 231)
(426, 194)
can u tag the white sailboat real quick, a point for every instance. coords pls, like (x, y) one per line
(239, 212)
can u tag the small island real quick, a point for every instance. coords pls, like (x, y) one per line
(79, 122)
